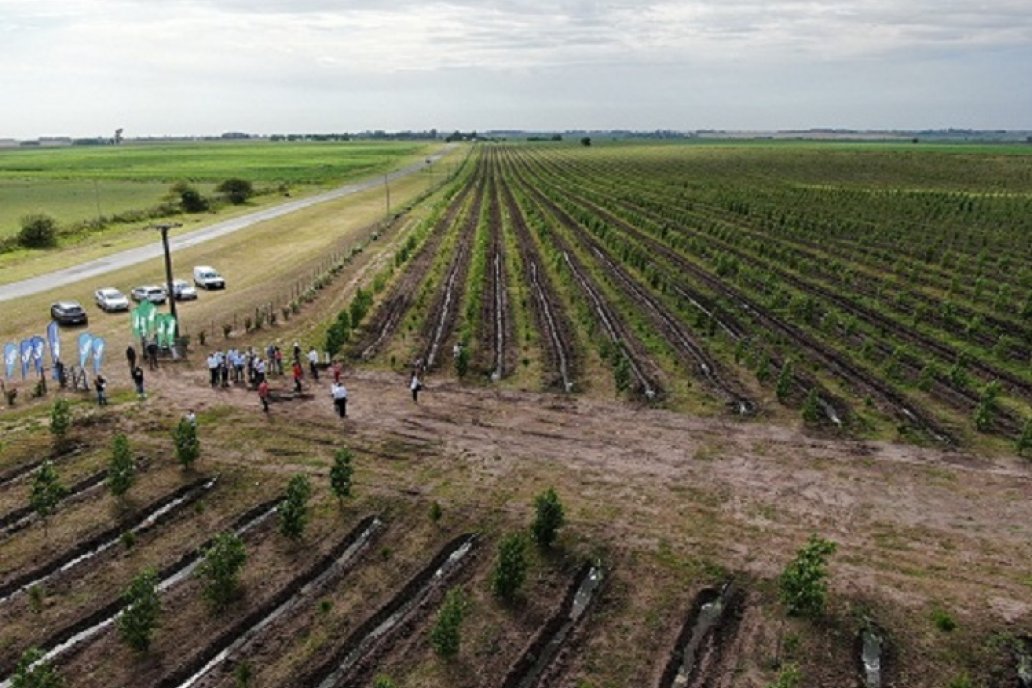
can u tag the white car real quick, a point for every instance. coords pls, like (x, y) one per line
(207, 277)
(110, 299)
(152, 293)
(183, 290)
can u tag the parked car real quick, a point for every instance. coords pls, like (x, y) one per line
(69, 313)
(183, 290)
(110, 299)
(150, 292)
(208, 277)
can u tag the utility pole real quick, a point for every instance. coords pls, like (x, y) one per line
(163, 228)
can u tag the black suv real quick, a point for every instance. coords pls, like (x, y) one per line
(68, 313)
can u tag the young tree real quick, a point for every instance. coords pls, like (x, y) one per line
(60, 421)
(789, 677)
(46, 492)
(384, 681)
(1024, 443)
(188, 447)
(294, 509)
(511, 569)
(462, 362)
(986, 410)
(340, 474)
(549, 518)
(220, 569)
(446, 635)
(360, 306)
(811, 407)
(142, 605)
(42, 675)
(784, 384)
(121, 470)
(803, 587)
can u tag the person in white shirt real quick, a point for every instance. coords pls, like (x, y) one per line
(213, 368)
(313, 359)
(415, 385)
(340, 399)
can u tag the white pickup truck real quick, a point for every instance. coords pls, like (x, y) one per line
(207, 277)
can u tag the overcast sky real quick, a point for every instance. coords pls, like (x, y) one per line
(264, 66)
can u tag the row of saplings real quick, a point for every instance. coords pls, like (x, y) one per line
(222, 562)
(802, 584)
(220, 565)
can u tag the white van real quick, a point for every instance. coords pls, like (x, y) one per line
(207, 277)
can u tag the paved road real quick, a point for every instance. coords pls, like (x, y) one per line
(122, 259)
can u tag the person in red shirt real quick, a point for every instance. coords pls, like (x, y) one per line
(299, 373)
(263, 395)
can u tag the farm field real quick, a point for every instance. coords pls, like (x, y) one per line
(80, 184)
(709, 352)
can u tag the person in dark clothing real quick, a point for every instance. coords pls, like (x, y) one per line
(152, 354)
(101, 385)
(415, 385)
(130, 355)
(59, 371)
(138, 380)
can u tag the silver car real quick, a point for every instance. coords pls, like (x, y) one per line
(183, 290)
(150, 292)
(110, 300)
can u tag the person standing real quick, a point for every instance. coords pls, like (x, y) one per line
(263, 395)
(152, 353)
(313, 360)
(191, 418)
(130, 355)
(259, 371)
(138, 380)
(297, 352)
(100, 383)
(278, 360)
(336, 371)
(415, 385)
(339, 393)
(213, 368)
(299, 373)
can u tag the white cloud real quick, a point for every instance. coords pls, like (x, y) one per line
(225, 57)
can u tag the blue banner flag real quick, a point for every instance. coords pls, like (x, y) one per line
(98, 354)
(10, 358)
(39, 346)
(85, 347)
(25, 349)
(54, 337)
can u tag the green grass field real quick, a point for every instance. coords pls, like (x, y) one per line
(70, 183)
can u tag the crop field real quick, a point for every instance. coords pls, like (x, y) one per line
(81, 183)
(710, 352)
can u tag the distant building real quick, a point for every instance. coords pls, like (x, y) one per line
(8, 143)
(54, 141)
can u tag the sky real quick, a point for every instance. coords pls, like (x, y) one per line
(203, 67)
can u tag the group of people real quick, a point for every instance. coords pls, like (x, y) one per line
(243, 366)
(249, 366)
